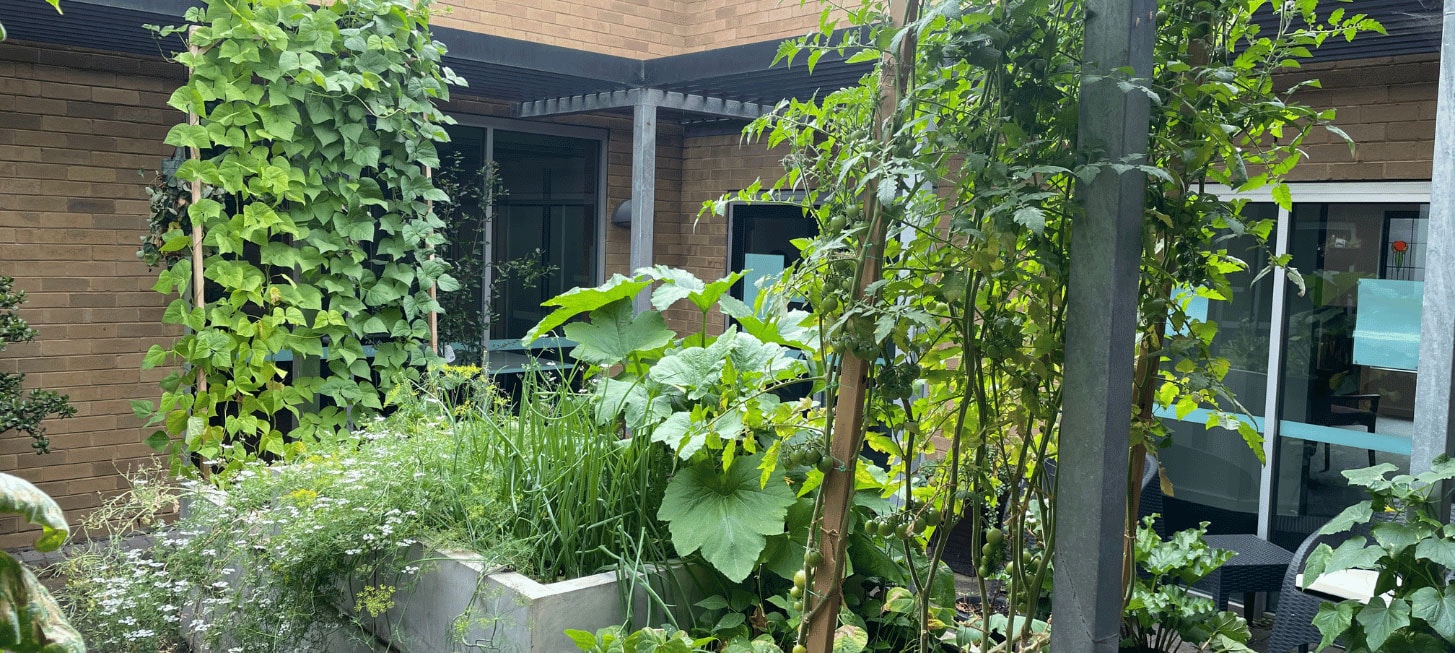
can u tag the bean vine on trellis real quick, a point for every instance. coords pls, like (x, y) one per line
(315, 125)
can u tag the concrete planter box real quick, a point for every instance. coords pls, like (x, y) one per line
(454, 603)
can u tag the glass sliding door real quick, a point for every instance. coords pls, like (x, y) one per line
(538, 238)
(1350, 355)
(1215, 476)
(545, 226)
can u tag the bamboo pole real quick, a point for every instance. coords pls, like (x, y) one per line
(199, 292)
(434, 316)
(837, 492)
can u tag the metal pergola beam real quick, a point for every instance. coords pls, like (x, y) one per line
(1434, 397)
(713, 106)
(1100, 332)
(644, 185)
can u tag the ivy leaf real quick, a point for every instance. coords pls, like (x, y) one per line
(1333, 620)
(1380, 621)
(725, 514)
(1438, 550)
(614, 333)
(1359, 513)
(1437, 609)
(581, 300)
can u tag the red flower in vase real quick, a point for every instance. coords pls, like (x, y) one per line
(1399, 247)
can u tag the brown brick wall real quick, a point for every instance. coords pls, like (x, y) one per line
(711, 166)
(75, 129)
(722, 23)
(1387, 105)
(640, 29)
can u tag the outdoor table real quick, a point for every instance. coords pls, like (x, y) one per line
(1258, 566)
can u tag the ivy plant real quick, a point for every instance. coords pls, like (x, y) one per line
(316, 123)
(1408, 543)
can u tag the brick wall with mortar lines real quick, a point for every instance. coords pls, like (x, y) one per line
(711, 166)
(639, 29)
(75, 129)
(1386, 104)
(720, 24)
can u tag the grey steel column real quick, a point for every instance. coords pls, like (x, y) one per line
(1433, 396)
(644, 183)
(1100, 329)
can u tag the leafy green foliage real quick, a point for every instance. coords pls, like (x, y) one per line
(1412, 549)
(615, 639)
(1162, 613)
(19, 410)
(316, 123)
(725, 514)
(30, 620)
(944, 236)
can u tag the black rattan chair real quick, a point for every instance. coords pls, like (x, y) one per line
(1293, 624)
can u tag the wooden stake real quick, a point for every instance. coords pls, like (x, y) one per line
(434, 316)
(837, 491)
(199, 293)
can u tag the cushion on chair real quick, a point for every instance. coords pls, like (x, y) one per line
(1356, 584)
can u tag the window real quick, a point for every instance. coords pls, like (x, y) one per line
(528, 228)
(1340, 394)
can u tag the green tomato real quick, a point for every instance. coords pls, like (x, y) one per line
(824, 464)
(901, 531)
(799, 648)
(812, 558)
(796, 592)
(800, 578)
(994, 536)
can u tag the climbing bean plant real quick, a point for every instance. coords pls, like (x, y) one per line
(315, 125)
(943, 252)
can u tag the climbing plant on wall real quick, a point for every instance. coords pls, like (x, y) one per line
(314, 125)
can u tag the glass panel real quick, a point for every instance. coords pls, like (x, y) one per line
(1214, 473)
(762, 242)
(545, 226)
(461, 176)
(1348, 371)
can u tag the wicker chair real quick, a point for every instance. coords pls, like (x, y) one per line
(1293, 625)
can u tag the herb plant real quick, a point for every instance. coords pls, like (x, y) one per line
(1412, 549)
